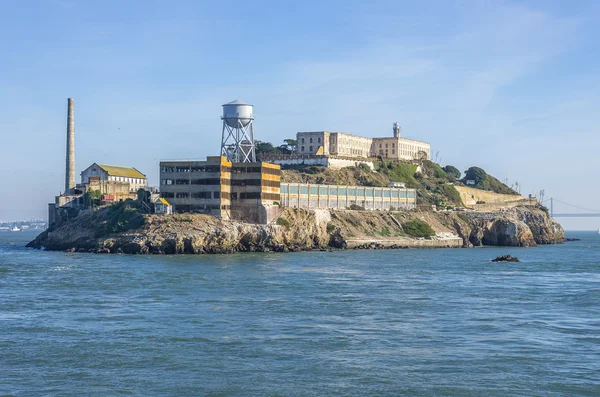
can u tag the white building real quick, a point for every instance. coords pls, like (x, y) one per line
(347, 145)
(101, 172)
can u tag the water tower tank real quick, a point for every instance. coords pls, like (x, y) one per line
(237, 113)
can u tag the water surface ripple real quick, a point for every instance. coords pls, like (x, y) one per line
(361, 323)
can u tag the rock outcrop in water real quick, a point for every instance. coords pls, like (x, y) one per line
(122, 229)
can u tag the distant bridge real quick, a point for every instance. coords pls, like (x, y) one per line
(589, 214)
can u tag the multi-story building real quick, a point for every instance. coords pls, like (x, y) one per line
(347, 145)
(216, 186)
(333, 143)
(400, 149)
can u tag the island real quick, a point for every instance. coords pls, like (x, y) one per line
(449, 213)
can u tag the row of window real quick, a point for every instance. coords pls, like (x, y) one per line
(215, 168)
(126, 179)
(203, 168)
(351, 192)
(223, 195)
(311, 140)
(206, 208)
(264, 170)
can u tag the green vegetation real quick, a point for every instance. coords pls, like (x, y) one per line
(452, 172)
(438, 172)
(283, 222)
(330, 228)
(399, 172)
(485, 181)
(385, 232)
(451, 193)
(120, 217)
(418, 228)
(92, 198)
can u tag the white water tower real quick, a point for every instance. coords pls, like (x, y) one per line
(237, 140)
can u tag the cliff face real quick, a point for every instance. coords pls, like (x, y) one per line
(122, 231)
(525, 226)
(194, 234)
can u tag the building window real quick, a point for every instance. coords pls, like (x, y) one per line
(386, 145)
(310, 148)
(393, 151)
(302, 147)
(319, 140)
(310, 140)
(393, 145)
(302, 140)
(380, 146)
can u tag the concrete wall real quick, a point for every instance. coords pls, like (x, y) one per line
(470, 196)
(333, 162)
(342, 197)
(309, 142)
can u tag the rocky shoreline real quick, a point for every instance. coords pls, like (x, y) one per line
(125, 230)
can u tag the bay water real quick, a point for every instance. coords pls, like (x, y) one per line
(431, 322)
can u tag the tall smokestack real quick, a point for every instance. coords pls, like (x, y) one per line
(70, 174)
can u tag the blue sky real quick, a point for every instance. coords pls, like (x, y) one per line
(509, 86)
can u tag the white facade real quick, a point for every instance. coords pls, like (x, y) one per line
(400, 149)
(333, 143)
(100, 172)
(347, 145)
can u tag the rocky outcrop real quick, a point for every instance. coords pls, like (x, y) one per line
(122, 230)
(525, 226)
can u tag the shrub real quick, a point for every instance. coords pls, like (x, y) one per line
(356, 207)
(451, 193)
(385, 232)
(399, 172)
(364, 167)
(438, 172)
(418, 228)
(330, 228)
(283, 222)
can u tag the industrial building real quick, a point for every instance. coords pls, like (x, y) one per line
(100, 172)
(346, 145)
(347, 197)
(246, 191)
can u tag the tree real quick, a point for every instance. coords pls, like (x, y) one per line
(452, 172)
(92, 198)
(476, 174)
(264, 147)
(291, 144)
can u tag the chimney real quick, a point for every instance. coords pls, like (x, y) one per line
(70, 163)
